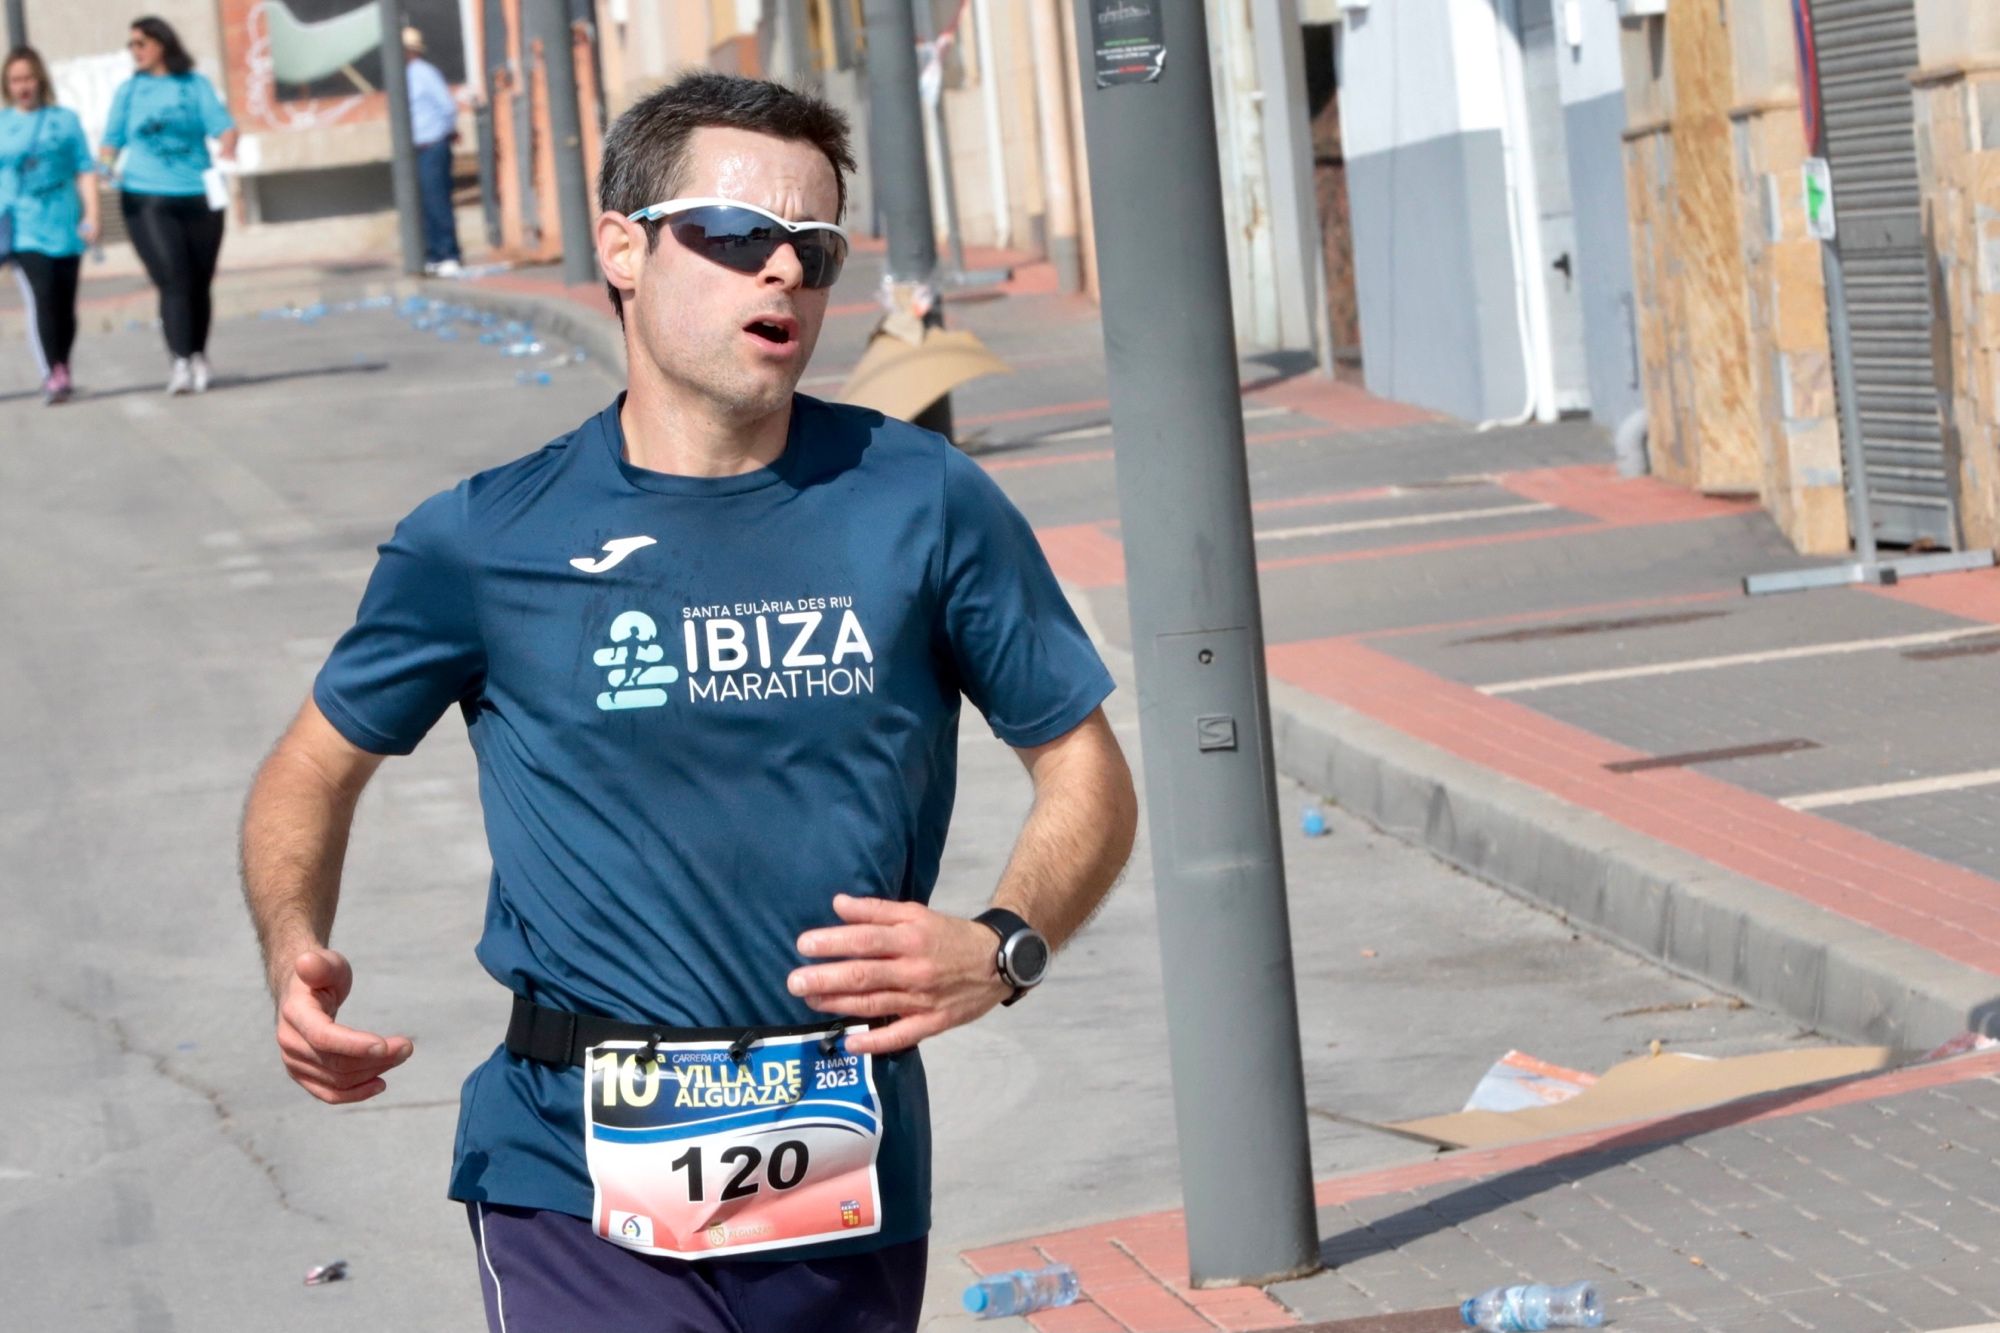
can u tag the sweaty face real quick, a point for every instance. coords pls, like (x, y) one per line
(741, 340)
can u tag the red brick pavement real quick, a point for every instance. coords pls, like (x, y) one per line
(1133, 1271)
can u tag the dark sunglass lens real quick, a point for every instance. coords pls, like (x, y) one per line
(816, 262)
(731, 238)
(744, 241)
(821, 254)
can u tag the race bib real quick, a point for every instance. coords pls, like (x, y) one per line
(694, 1153)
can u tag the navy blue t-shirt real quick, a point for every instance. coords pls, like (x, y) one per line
(702, 707)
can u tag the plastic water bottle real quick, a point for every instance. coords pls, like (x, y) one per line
(1312, 822)
(1523, 1309)
(1022, 1291)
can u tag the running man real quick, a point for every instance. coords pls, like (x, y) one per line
(710, 649)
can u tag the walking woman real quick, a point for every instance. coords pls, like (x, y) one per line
(48, 196)
(163, 117)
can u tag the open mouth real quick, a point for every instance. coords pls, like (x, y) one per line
(772, 331)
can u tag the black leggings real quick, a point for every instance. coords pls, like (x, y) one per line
(51, 296)
(178, 238)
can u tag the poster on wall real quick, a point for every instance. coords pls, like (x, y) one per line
(304, 64)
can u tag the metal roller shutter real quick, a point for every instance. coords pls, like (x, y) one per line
(1867, 50)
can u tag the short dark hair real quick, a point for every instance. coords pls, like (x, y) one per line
(646, 152)
(178, 61)
(45, 90)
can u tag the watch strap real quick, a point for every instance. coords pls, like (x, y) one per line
(1006, 925)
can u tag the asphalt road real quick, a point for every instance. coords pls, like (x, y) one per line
(157, 1170)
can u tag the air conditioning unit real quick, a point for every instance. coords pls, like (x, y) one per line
(1641, 9)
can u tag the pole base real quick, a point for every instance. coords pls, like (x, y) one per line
(1204, 1281)
(1883, 572)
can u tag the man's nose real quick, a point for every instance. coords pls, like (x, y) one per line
(783, 268)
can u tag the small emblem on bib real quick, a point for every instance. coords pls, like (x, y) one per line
(636, 1228)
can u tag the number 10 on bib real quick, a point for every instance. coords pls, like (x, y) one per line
(695, 1153)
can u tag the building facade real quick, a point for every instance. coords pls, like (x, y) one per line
(1739, 377)
(1481, 143)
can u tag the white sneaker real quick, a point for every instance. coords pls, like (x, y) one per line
(446, 268)
(199, 364)
(182, 379)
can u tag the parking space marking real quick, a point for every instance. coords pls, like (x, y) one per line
(1534, 683)
(1399, 521)
(1889, 791)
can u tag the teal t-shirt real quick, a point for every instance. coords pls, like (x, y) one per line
(41, 155)
(164, 122)
(701, 707)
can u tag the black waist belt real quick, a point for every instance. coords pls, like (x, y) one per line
(558, 1037)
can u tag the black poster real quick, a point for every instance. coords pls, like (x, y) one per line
(1130, 40)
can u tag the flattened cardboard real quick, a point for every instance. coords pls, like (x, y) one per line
(1649, 1087)
(900, 379)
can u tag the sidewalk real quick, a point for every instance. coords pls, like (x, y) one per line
(1861, 1206)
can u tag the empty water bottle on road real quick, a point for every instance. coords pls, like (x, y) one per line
(1022, 1291)
(1534, 1306)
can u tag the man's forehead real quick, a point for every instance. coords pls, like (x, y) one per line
(746, 164)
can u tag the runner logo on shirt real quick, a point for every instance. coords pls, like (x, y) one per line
(638, 671)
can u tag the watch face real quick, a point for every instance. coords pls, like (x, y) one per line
(1027, 958)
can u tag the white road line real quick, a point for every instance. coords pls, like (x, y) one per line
(1734, 659)
(1889, 791)
(1399, 521)
(1098, 432)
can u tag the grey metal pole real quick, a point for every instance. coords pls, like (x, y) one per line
(17, 23)
(901, 177)
(1860, 512)
(1197, 636)
(573, 209)
(402, 149)
(489, 172)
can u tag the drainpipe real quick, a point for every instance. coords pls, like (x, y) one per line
(1058, 174)
(1524, 215)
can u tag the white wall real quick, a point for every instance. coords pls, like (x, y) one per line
(1593, 67)
(1413, 70)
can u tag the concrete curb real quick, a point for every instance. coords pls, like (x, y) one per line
(1831, 974)
(1693, 917)
(597, 332)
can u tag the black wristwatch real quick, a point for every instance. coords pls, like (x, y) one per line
(1023, 959)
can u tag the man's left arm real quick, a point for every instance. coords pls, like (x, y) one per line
(935, 971)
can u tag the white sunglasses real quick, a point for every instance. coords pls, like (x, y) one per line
(743, 237)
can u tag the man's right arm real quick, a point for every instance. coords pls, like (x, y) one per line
(295, 827)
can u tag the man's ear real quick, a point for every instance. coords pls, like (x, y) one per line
(621, 251)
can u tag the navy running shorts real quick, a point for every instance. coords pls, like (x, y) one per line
(547, 1272)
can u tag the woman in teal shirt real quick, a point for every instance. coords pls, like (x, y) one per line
(162, 117)
(49, 193)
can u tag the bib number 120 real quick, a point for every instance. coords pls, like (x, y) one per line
(785, 1169)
